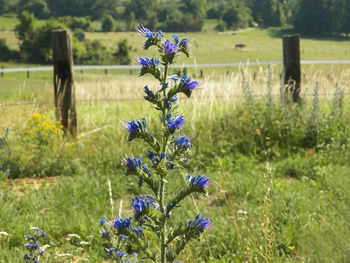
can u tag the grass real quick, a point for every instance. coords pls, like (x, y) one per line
(280, 191)
(287, 214)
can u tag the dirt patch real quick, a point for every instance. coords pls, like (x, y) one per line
(21, 186)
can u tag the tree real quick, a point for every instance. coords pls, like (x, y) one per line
(266, 12)
(237, 15)
(122, 55)
(145, 11)
(314, 17)
(108, 24)
(37, 7)
(35, 45)
(25, 28)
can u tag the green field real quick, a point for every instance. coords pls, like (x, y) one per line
(280, 172)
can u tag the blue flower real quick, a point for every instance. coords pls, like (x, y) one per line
(164, 87)
(142, 203)
(121, 254)
(174, 77)
(43, 233)
(155, 160)
(188, 84)
(170, 48)
(176, 39)
(31, 246)
(176, 124)
(103, 220)
(123, 237)
(110, 250)
(149, 65)
(42, 252)
(184, 43)
(138, 231)
(132, 164)
(170, 102)
(135, 129)
(122, 223)
(143, 31)
(148, 92)
(199, 181)
(104, 234)
(147, 62)
(182, 143)
(201, 222)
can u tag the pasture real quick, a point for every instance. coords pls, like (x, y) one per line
(280, 191)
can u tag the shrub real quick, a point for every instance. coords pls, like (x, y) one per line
(122, 55)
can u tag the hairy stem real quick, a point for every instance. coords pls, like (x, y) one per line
(162, 182)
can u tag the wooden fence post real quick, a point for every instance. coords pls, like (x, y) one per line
(291, 64)
(64, 80)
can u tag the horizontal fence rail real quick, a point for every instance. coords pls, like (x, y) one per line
(215, 65)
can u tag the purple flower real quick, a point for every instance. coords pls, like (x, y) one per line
(184, 43)
(201, 222)
(110, 250)
(142, 203)
(200, 181)
(170, 48)
(104, 233)
(182, 143)
(122, 223)
(188, 84)
(176, 124)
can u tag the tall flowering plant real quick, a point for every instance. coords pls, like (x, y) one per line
(168, 149)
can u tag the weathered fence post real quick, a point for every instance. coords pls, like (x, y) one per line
(64, 80)
(291, 64)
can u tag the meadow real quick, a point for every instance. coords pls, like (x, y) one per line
(280, 171)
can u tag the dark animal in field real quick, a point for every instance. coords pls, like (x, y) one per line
(239, 46)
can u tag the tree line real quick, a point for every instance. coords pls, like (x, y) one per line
(310, 17)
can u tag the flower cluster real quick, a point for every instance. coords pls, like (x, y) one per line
(33, 247)
(152, 213)
(176, 124)
(42, 129)
(144, 205)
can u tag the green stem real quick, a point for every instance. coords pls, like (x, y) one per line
(162, 182)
